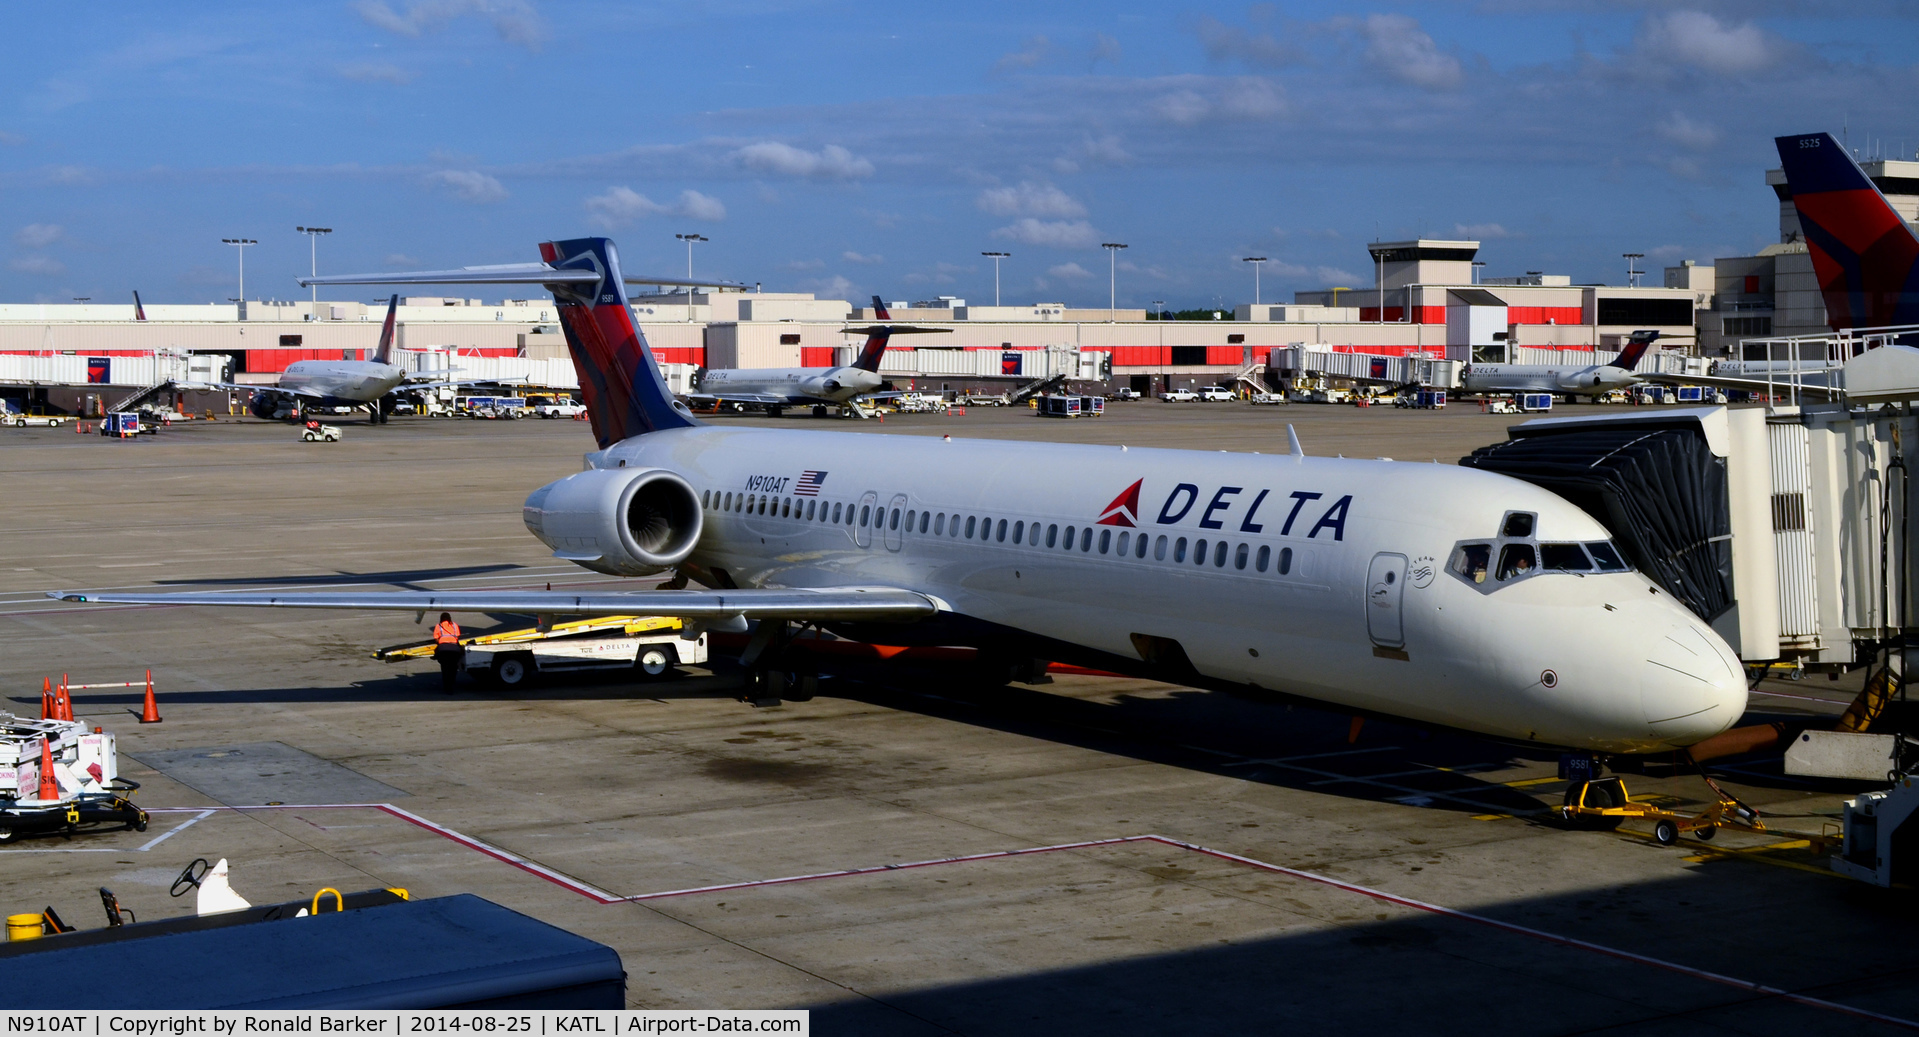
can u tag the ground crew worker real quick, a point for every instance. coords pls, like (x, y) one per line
(448, 650)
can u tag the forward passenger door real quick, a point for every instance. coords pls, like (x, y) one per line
(863, 518)
(1385, 589)
(895, 512)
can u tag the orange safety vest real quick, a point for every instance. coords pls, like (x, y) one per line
(447, 633)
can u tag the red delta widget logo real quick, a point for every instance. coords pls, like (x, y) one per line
(1229, 503)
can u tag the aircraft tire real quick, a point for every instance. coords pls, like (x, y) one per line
(802, 688)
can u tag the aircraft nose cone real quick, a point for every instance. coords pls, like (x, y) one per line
(1691, 686)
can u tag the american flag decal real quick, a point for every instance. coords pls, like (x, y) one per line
(809, 484)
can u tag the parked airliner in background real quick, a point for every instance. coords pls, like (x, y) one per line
(1593, 380)
(818, 387)
(1443, 595)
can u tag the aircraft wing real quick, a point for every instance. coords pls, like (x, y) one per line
(763, 398)
(235, 386)
(1781, 385)
(876, 604)
(428, 384)
(506, 273)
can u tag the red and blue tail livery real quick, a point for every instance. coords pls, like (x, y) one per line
(625, 394)
(1863, 253)
(876, 339)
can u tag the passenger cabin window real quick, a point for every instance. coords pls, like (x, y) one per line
(1069, 538)
(1239, 557)
(923, 517)
(1262, 559)
(1516, 560)
(1105, 540)
(1199, 553)
(970, 520)
(1159, 548)
(1518, 524)
(1086, 539)
(1019, 532)
(1285, 560)
(1179, 550)
(939, 524)
(836, 513)
(1001, 537)
(1565, 557)
(1473, 560)
(1139, 545)
(1123, 545)
(866, 514)
(1052, 535)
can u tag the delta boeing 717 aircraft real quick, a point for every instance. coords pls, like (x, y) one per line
(777, 388)
(1443, 595)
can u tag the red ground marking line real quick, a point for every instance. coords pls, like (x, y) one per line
(601, 896)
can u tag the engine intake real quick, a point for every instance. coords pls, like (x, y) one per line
(618, 521)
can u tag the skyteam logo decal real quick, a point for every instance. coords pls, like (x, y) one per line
(1124, 511)
(809, 484)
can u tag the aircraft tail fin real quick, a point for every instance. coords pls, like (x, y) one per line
(1636, 347)
(384, 353)
(139, 311)
(876, 339)
(1865, 255)
(624, 391)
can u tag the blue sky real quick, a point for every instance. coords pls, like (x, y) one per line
(861, 149)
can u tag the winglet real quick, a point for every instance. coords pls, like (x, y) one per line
(139, 311)
(384, 354)
(1292, 438)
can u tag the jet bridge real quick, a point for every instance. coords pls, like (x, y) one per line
(1786, 527)
(1300, 361)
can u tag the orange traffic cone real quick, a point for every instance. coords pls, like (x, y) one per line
(49, 786)
(62, 701)
(46, 698)
(150, 713)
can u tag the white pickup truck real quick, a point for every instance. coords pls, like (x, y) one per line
(560, 409)
(1179, 396)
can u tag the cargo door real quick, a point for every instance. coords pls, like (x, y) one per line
(1385, 588)
(865, 514)
(895, 514)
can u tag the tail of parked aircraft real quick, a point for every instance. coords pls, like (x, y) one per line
(384, 353)
(624, 391)
(1636, 347)
(1862, 251)
(876, 339)
(139, 311)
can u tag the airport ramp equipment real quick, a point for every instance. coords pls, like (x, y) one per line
(1299, 361)
(85, 791)
(373, 950)
(1034, 388)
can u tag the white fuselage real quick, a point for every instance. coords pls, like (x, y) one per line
(351, 381)
(1337, 580)
(1595, 380)
(830, 384)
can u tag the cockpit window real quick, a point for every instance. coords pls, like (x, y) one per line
(1472, 561)
(1566, 557)
(1607, 556)
(1518, 524)
(1516, 560)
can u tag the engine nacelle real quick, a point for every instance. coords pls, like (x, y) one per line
(618, 521)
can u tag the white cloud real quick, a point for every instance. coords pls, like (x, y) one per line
(835, 287)
(376, 72)
(1243, 98)
(38, 235)
(1031, 53)
(468, 185)
(1396, 45)
(1105, 48)
(623, 205)
(1029, 199)
(42, 266)
(515, 20)
(1069, 271)
(69, 175)
(1679, 129)
(400, 260)
(1481, 231)
(831, 162)
(864, 260)
(1703, 41)
(806, 264)
(1050, 233)
(1229, 42)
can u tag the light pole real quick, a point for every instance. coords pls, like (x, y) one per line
(1256, 261)
(690, 239)
(313, 259)
(1112, 279)
(996, 257)
(241, 244)
(1159, 309)
(1632, 276)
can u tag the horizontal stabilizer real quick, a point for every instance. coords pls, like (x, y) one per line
(506, 273)
(894, 329)
(876, 604)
